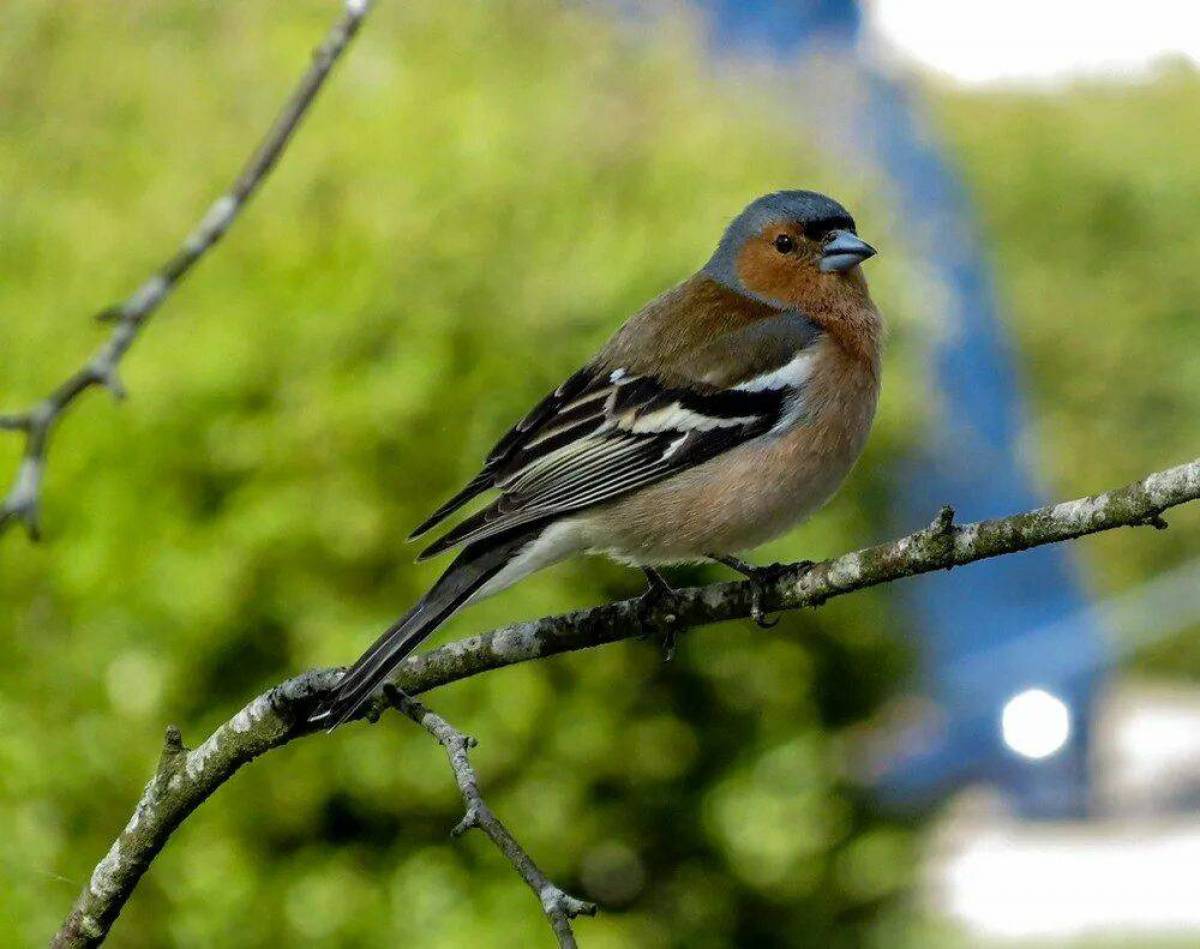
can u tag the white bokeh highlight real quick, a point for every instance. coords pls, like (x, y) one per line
(1038, 41)
(1035, 724)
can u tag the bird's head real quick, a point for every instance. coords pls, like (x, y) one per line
(785, 245)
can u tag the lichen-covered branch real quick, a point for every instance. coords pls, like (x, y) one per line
(182, 780)
(185, 779)
(130, 316)
(560, 907)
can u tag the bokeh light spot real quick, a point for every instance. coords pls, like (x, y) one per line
(1035, 724)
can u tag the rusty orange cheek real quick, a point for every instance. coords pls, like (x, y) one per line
(765, 271)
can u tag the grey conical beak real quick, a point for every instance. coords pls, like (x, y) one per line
(843, 251)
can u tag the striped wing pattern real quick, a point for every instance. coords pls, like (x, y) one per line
(600, 435)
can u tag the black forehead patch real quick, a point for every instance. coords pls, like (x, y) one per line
(822, 226)
(803, 207)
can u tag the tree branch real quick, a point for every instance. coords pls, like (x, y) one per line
(560, 908)
(185, 779)
(131, 315)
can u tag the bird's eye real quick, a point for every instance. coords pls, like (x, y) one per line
(784, 244)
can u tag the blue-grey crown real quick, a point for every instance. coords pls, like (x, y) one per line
(802, 207)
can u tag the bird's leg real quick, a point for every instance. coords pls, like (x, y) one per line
(760, 577)
(656, 583)
(657, 590)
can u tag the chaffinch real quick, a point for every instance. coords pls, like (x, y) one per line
(720, 415)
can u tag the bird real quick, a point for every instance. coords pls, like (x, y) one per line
(716, 418)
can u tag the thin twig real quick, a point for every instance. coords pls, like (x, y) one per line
(131, 315)
(185, 779)
(560, 907)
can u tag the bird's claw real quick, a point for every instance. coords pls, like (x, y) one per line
(651, 615)
(667, 644)
(757, 614)
(760, 578)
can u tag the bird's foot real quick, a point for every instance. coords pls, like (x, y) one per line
(651, 610)
(760, 578)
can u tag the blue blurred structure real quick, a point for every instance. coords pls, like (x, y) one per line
(976, 462)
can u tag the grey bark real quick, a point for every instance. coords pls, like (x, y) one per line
(184, 778)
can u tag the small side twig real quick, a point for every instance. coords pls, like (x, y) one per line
(130, 316)
(282, 715)
(559, 906)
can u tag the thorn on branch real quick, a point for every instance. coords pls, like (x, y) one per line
(469, 821)
(944, 522)
(16, 422)
(556, 901)
(106, 375)
(940, 536)
(173, 741)
(22, 501)
(11, 512)
(173, 752)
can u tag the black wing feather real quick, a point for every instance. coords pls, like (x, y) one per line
(647, 432)
(517, 436)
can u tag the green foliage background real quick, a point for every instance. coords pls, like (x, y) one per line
(483, 192)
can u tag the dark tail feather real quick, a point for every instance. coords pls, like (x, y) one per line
(480, 483)
(470, 570)
(461, 531)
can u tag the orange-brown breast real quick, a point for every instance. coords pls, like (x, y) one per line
(839, 303)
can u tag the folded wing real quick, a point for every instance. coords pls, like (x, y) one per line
(604, 434)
